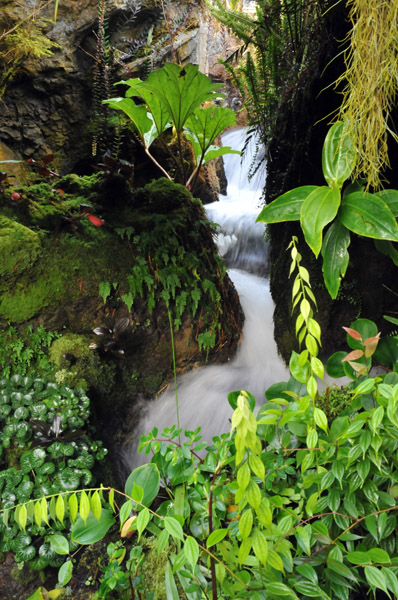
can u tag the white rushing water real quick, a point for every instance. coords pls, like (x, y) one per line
(202, 393)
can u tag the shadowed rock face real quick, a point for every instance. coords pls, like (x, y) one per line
(48, 103)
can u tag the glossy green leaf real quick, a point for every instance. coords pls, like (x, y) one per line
(65, 573)
(320, 419)
(335, 256)
(286, 207)
(280, 590)
(59, 544)
(338, 155)
(366, 214)
(95, 505)
(174, 528)
(246, 523)
(390, 197)
(378, 555)
(375, 578)
(260, 545)
(92, 530)
(215, 537)
(142, 521)
(191, 550)
(148, 478)
(335, 366)
(318, 209)
(174, 90)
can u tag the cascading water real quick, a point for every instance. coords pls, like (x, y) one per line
(202, 393)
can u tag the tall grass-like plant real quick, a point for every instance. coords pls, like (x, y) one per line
(371, 84)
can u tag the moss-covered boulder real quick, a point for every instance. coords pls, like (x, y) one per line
(92, 252)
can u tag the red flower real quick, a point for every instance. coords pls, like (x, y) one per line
(96, 221)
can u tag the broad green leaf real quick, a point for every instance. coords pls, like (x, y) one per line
(59, 544)
(174, 90)
(257, 465)
(338, 155)
(253, 494)
(174, 528)
(142, 521)
(125, 511)
(275, 561)
(243, 476)
(375, 578)
(148, 478)
(335, 366)
(163, 539)
(264, 512)
(286, 207)
(387, 351)
(390, 197)
(342, 569)
(276, 589)
(320, 419)
(246, 523)
(139, 116)
(391, 579)
(215, 537)
(388, 249)
(335, 256)
(318, 209)
(92, 530)
(65, 573)
(303, 536)
(204, 125)
(379, 556)
(310, 590)
(191, 550)
(367, 215)
(260, 545)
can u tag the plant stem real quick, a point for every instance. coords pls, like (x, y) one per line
(174, 370)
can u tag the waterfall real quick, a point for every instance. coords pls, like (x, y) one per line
(202, 393)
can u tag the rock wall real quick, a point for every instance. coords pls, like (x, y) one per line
(49, 104)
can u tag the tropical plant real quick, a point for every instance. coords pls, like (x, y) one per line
(43, 450)
(173, 97)
(345, 211)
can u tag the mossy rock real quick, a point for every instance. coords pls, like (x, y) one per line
(20, 248)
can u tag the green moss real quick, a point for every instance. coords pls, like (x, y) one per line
(20, 248)
(334, 401)
(69, 269)
(79, 185)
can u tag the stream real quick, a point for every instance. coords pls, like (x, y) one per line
(202, 393)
